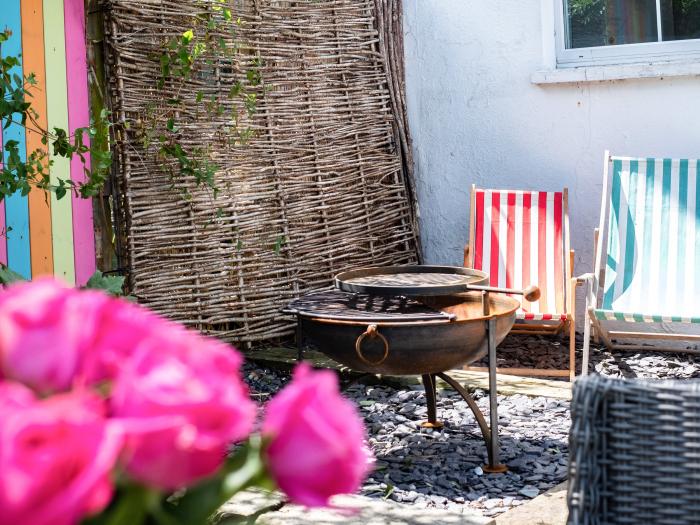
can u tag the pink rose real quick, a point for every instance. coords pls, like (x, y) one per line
(14, 396)
(317, 439)
(46, 328)
(56, 457)
(120, 328)
(182, 403)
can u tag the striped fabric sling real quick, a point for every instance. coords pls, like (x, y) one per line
(519, 241)
(652, 269)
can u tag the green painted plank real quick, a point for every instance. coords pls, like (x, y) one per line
(57, 110)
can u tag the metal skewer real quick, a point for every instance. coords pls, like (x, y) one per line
(531, 293)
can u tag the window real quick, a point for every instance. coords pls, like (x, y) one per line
(593, 32)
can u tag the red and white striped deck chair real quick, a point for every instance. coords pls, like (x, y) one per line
(521, 238)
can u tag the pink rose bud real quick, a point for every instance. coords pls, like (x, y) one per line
(316, 447)
(182, 403)
(46, 327)
(56, 457)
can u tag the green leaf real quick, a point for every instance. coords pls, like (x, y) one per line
(243, 470)
(129, 507)
(8, 276)
(60, 192)
(171, 125)
(278, 244)
(112, 284)
(187, 36)
(236, 89)
(388, 491)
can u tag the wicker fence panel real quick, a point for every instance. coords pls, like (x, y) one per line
(320, 187)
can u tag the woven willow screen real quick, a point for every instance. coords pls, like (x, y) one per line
(321, 185)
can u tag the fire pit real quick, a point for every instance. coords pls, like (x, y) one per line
(414, 320)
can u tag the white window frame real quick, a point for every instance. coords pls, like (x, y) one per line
(649, 52)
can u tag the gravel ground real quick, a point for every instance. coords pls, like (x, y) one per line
(442, 468)
(553, 352)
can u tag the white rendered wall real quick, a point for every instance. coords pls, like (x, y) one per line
(476, 118)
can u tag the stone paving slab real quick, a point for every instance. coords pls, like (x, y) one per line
(265, 508)
(507, 384)
(548, 509)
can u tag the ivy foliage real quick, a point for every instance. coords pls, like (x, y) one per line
(111, 284)
(20, 173)
(164, 123)
(192, 56)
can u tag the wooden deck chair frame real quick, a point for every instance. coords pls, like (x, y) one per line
(594, 283)
(544, 327)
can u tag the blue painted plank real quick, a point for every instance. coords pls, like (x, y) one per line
(16, 205)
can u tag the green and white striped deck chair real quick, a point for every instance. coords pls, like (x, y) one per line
(648, 258)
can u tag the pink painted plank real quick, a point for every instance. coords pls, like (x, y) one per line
(3, 238)
(79, 116)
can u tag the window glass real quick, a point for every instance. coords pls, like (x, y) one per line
(592, 23)
(680, 19)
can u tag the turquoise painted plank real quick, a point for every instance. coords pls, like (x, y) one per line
(16, 205)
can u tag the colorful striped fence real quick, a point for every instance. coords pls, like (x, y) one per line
(46, 235)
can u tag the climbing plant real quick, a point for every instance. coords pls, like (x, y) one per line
(190, 54)
(21, 173)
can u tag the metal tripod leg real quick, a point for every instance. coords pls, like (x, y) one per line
(300, 345)
(431, 399)
(494, 461)
(490, 434)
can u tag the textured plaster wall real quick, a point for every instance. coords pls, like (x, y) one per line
(476, 118)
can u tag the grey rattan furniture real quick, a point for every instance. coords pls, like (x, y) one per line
(635, 452)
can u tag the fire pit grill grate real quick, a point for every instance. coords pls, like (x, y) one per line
(363, 307)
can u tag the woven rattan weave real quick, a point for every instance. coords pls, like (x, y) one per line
(635, 452)
(322, 186)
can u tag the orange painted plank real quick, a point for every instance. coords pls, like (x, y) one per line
(39, 201)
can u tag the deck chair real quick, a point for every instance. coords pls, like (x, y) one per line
(647, 254)
(521, 238)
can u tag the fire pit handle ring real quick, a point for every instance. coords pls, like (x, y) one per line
(372, 333)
